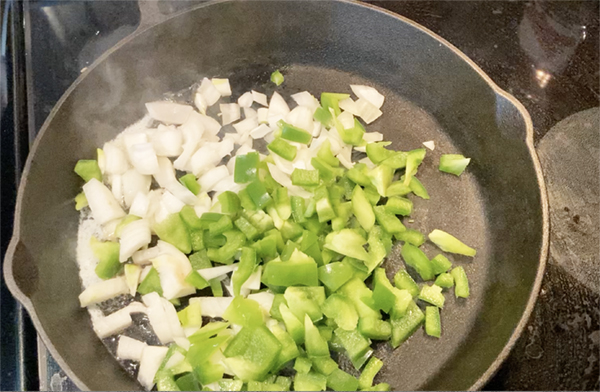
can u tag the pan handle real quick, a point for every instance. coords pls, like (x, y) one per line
(20, 273)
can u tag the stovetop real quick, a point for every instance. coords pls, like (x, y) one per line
(545, 53)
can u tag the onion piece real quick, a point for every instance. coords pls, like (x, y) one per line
(222, 86)
(278, 107)
(316, 130)
(250, 113)
(285, 181)
(172, 274)
(116, 187)
(211, 126)
(368, 112)
(102, 291)
(346, 119)
(369, 94)
(227, 184)
(143, 157)
(371, 137)
(306, 99)
(259, 98)
(245, 100)
(213, 306)
(217, 272)
(349, 105)
(260, 132)
(204, 159)
(345, 157)
(171, 203)
(192, 132)
(167, 141)
(284, 165)
(175, 360)
(368, 163)
(139, 205)
(169, 112)
(152, 357)
(200, 103)
(103, 204)
(264, 299)
(129, 348)
(134, 236)
(430, 145)
(230, 112)
(301, 117)
(117, 321)
(172, 319)
(253, 281)
(209, 92)
(263, 115)
(212, 177)
(115, 159)
(245, 126)
(133, 184)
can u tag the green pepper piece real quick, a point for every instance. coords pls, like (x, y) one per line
(339, 380)
(293, 326)
(221, 226)
(305, 301)
(373, 328)
(359, 270)
(88, 169)
(192, 221)
(208, 331)
(334, 275)
(339, 308)
(258, 193)
(415, 257)
(418, 188)
(347, 242)
(388, 221)
(450, 244)
(453, 164)
(399, 206)
(191, 183)
(244, 312)
(282, 203)
(369, 372)
(213, 241)
(165, 381)
(396, 161)
(107, 254)
(444, 280)
(245, 201)
(433, 295)
(326, 155)
(191, 315)
(440, 264)
(301, 270)
(323, 116)
(358, 175)
(216, 287)
(277, 77)
(362, 209)
(289, 350)
(310, 381)
(324, 365)
(174, 231)
(252, 353)
(228, 384)
(80, 201)
(377, 152)
(404, 281)
(150, 283)
(298, 209)
(246, 167)
(201, 350)
(303, 177)
(225, 254)
(343, 212)
(283, 149)
(327, 172)
(267, 247)
(230, 203)
(377, 248)
(196, 280)
(405, 326)
(331, 100)
(461, 282)
(259, 219)
(294, 134)
(397, 188)
(383, 291)
(381, 177)
(315, 345)
(309, 244)
(247, 228)
(433, 325)
(354, 135)
(413, 160)
(188, 382)
(264, 386)
(245, 269)
(356, 345)
(412, 236)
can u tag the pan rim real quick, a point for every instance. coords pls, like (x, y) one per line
(529, 141)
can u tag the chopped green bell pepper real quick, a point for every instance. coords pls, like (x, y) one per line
(405, 326)
(451, 244)
(150, 283)
(341, 309)
(440, 264)
(289, 350)
(310, 381)
(245, 269)
(305, 301)
(347, 242)
(362, 209)
(369, 372)
(174, 231)
(190, 182)
(461, 282)
(415, 257)
(358, 175)
(196, 280)
(399, 206)
(433, 295)
(326, 155)
(404, 281)
(80, 201)
(191, 315)
(283, 149)
(315, 345)
(246, 167)
(373, 328)
(246, 228)
(334, 275)
(107, 254)
(293, 326)
(323, 116)
(189, 217)
(277, 77)
(413, 160)
(258, 194)
(331, 100)
(304, 177)
(294, 134)
(377, 152)
(88, 169)
(324, 365)
(444, 280)
(230, 203)
(412, 236)
(225, 254)
(388, 221)
(398, 188)
(418, 188)
(381, 178)
(244, 312)
(354, 135)
(356, 345)
(298, 209)
(433, 325)
(297, 271)
(221, 226)
(383, 291)
(339, 380)
(453, 163)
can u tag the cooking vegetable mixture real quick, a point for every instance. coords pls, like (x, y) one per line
(255, 270)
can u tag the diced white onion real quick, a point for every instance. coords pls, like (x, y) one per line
(143, 158)
(175, 360)
(253, 281)
(181, 192)
(306, 99)
(259, 98)
(103, 204)
(157, 317)
(349, 105)
(132, 276)
(115, 159)
(134, 236)
(133, 184)
(285, 181)
(205, 158)
(250, 113)
(169, 112)
(346, 119)
(245, 126)
(345, 157)
(367, 162)
(222, 85)
(261, 131)
(116, 187)
(172, 274)
(152, 357)
(183, 343)
(145, 272)
(129, 348)
(211, 126)
(192, 132)
(278, 107)
(213, 306)
(264, 299)
(165, 174)
(430, 145)
(368, 112)
(213, 176)
(209, 92)
(243, 150)
(171, 203)
(262, 114)
(283, 164)
(172, 319)
(230, 112)
(200, 103)
(104, 290)
(117, 321)
(217, 272)
(371, 137)
(245, 100)
(167, 141)
(227, 184)
(369, 94)
(316, 130)
(301, 117)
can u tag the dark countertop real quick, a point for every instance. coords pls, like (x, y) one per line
(545, 53)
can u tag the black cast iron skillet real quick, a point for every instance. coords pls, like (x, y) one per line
(433, 92)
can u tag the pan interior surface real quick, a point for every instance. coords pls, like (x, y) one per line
(431, 94)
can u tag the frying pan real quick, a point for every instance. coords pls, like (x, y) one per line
(433, 92)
